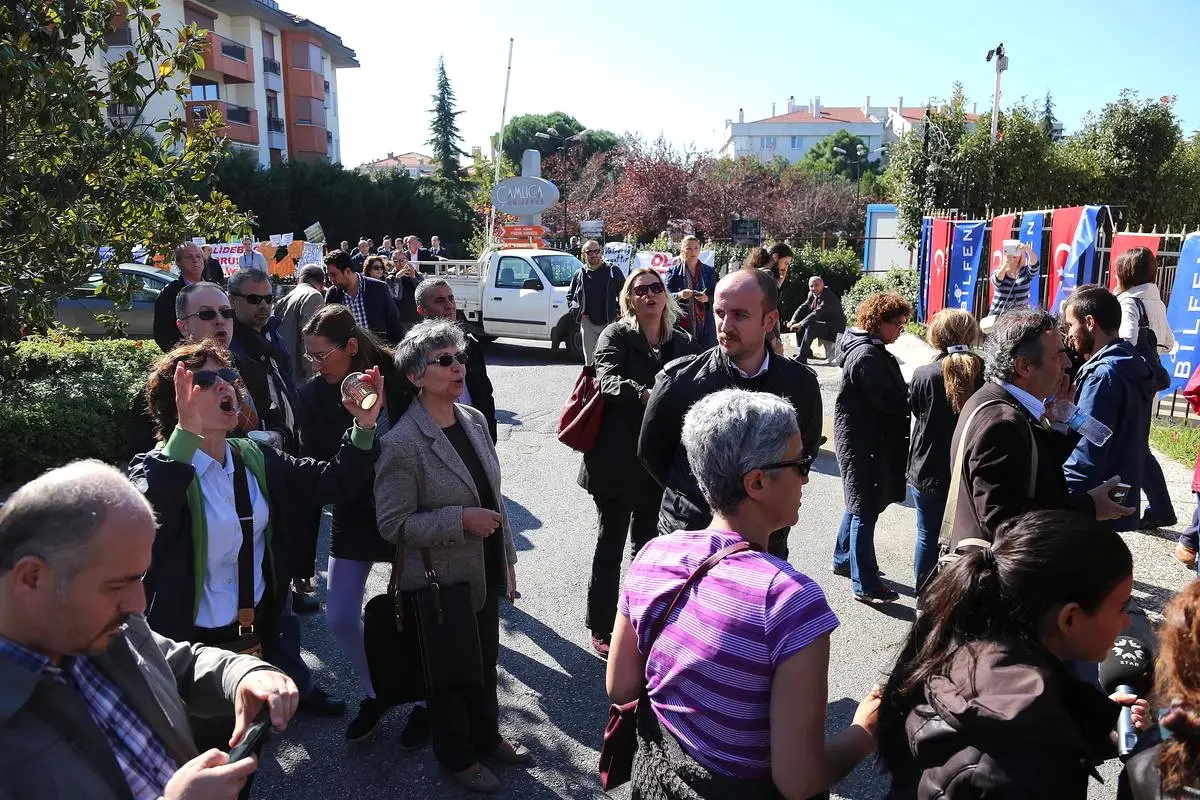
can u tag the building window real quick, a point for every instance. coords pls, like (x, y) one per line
(200, 18)
(768, 143)
(204, 89)
(268, 44)
(797, 142)
(272, 104)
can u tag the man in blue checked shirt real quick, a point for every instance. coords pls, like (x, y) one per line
(91, 700)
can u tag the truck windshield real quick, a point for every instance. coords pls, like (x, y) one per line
(559, 268)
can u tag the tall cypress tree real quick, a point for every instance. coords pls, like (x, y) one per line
(446, 140)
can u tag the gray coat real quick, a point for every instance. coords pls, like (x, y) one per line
(294, 310)
(50, 747)
(421, 489)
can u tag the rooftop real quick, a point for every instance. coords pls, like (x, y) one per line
(845, 115)
(341, 55)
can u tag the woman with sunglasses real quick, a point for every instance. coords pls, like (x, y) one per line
(629, 354)
(437, 495)
(375, 267)
(336, 347)
(192, 587)
(735, 685)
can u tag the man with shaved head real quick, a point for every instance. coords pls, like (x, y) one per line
(92, 702)
(746, 308)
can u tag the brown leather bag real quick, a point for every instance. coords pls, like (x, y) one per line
(579, 422)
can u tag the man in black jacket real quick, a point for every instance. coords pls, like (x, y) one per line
(190, 261)
(256, 337)
(435, 300)
(820, 318)
(746, 308)
(592, 296)
(415, 252)
(368, 299)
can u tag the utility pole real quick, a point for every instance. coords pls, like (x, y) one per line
(1001, 65)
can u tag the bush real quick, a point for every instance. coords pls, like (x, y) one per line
(901, 280)
(64, 399)
(867, 285)
(839, 267)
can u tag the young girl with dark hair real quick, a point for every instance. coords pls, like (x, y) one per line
(980, 703)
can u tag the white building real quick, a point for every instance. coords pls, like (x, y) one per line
(417, 165)
(271, 75)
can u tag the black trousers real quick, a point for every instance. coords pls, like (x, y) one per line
(465, 725)
(306, 547)
(812, 333)
(614, 516)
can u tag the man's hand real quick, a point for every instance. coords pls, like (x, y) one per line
(1185, 555)
(1106, 507)
(1139, 709)
(210, 776)
(258, 687)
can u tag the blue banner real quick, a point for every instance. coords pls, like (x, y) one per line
(1031, 234)
(1183, 314)
(1078, 267)
(965, 248)
(923, 267)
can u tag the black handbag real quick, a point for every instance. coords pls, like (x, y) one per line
(424, 641)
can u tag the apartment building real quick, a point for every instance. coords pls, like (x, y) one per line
(270, 74)
(417, 165)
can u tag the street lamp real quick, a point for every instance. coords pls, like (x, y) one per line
(861, 152)
(564, 142)
(1001, 65)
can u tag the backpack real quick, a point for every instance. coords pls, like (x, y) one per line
(1147, 347)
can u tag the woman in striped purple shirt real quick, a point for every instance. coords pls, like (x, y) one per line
(736, 684)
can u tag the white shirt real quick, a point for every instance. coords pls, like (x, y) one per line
(219, 598)
(761, 370)
(253, 259)
(1033, 405)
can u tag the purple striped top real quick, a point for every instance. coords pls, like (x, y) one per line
(709, 674)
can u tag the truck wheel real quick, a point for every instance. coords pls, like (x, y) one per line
(575, 343)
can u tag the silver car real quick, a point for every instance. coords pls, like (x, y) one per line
(80, 307)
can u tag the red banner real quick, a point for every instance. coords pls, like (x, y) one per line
(1002, 228)
(1062, 234)
(1127, 241)
(939, 252)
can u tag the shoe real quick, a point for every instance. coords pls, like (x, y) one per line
(320, 703)
(477, 778)
(880, 595)
(1149, 523)
(510, 751)
(842, 570)
(416, 730)
(601, 645)
(370, 713)
(305, 604)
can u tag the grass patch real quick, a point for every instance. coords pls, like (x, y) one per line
(1180, 442)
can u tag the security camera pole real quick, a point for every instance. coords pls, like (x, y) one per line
(1001, 65)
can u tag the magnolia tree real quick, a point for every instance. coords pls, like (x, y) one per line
(83, 168)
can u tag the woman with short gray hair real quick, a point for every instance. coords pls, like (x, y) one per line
(734, 702)
(437, 495)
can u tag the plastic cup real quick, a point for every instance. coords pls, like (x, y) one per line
(263, 437)
(358, 389)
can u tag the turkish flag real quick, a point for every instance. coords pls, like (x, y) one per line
(1062, 234)
(1127, 241)
(939, 256)
(1002, 228)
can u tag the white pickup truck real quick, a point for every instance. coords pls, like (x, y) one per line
(519, 294)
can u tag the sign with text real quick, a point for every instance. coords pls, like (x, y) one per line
(314, 233)
(1124, 242)
(521, 231)
(1031, 234)
(1183, 313)
(619, 254)
(524, 196)
(747, 232)
(1002, 227)
(1073, 249)
(591, 228)
(939, 251)
(965, 250)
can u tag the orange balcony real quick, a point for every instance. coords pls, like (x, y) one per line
(305, 83)
(241, 123)
(307, 139)
(232, 60)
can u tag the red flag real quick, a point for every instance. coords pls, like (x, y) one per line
(1002, 228)
(1127, 241)
(1062, 234)
(939, 252)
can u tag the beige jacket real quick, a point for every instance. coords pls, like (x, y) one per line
(1156, 316)
(49, 746)
(421, 489)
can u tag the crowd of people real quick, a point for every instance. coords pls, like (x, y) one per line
(180, 580)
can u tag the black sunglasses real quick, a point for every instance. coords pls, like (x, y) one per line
(209, 314)
(592, 252)
(648, 288)
(447, 360)
(254, 299)
(205, 378)
(802, 465)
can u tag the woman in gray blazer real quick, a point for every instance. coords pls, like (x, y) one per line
(437, 487)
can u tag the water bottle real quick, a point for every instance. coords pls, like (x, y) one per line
(1086, 425)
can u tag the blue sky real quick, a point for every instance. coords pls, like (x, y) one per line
(682, 68)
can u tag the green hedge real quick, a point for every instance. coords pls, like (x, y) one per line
(63, 399)
(839, 267)
(902, 280)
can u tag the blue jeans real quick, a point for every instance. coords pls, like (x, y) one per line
(856, 544)
(931, 507)
(1154, 484)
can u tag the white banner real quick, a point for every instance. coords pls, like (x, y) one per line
(620, 254)
(227, 254)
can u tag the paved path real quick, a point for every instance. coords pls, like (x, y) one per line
(552, 688)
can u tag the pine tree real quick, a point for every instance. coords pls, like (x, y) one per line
(1048, 117)
(446, 140)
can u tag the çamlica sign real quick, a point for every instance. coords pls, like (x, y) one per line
(523, 196)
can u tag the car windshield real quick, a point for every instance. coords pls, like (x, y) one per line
(558, 268)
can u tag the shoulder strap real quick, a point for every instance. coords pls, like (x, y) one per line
(1143, 320)
(681, 595)
(245, 512)
(946, 532)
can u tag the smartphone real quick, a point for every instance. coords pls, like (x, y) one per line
(253, 738)
(1012, 247)
(1119, 492)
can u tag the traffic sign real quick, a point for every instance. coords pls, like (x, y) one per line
(524, 241)
(522, 231)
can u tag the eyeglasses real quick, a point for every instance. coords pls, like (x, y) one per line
(648, 288)
(209, 314)
(254, 299)
(206, 378)
(592, 252)
(319, 358)
(802, 465)
(447, 359)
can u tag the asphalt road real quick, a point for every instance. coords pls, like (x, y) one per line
(551, 687)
